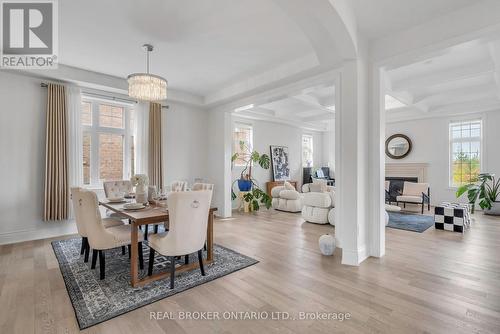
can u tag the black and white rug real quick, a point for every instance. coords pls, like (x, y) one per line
(96, 300)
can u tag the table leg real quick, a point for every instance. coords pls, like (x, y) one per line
(133, 257)
(210, 237)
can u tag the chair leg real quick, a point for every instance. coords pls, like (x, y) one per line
(129, 251)
(84, 242)
(423, 207)
(156, 229)
(94, 258)
(151, 261)
(102, 264)
(123, 250)
(87, 252)
(146, 232)
(205, 246)
(172, 271)
(404, 205)
(200, 260)
(186, 259)
(141, 257)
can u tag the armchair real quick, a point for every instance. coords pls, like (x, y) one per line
(318, 202)
(415, 193)
(286, 198)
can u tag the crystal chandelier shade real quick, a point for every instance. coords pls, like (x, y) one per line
(146, 86)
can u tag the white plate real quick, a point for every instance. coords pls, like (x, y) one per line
(115, 199)
(133, 206)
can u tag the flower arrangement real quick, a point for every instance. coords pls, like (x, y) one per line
(139, 180)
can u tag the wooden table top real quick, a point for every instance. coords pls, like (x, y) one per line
(151, 214)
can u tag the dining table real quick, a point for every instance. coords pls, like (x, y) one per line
(156, 213)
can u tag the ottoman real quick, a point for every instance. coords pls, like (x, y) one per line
(452, 217)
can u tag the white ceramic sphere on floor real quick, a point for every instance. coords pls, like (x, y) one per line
(327, 244)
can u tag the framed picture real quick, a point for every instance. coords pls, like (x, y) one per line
(279, 161)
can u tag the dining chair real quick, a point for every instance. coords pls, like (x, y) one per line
(115, 189)
(188, 212)
(202, 186)
(179, 186)
(100, 238)
(80, 226)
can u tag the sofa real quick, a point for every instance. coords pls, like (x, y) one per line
(286, 198)
(318, 202)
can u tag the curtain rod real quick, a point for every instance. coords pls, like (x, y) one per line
(44, 85)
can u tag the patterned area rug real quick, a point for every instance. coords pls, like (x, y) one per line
(410, 222)
(96, 301)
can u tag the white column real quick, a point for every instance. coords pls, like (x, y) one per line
(219, 161)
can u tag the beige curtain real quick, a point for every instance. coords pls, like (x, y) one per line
(155, 164)
(56, 155)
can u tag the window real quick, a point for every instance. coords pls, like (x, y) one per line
(465, 152)
(242, 142)
(307, 150)
(108, 149)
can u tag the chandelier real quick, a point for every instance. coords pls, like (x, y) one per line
(146, 86)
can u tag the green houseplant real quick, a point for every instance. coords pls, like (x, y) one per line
(486, 190)
(255, 196)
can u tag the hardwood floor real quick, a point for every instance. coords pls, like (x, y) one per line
(434, 282)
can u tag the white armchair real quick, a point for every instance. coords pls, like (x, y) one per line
(318, 202)
(415, 193)
(188, 212)
(286, 198)
(99, 237)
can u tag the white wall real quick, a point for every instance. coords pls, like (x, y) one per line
(22, 164)
(431, 145)
(267, 133)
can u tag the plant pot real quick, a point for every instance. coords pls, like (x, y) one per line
(244, 185)
(495, 209)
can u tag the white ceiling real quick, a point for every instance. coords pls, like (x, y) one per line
(201, 45)
(379, 18)
(312, 108)
(462, 79)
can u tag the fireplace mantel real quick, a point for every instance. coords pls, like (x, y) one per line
(408, 169)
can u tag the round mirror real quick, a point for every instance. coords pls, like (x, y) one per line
(397, 146)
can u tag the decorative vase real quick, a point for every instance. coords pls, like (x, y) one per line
(141, 194)
(244, 185)
(327, 244)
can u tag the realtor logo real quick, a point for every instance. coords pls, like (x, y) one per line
(29, 34)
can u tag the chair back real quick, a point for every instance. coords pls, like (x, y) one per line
(75, 196)
(415, 189)
(202, 186)
(179, 186)
(113, 188)
(89, 216)
(188, 216)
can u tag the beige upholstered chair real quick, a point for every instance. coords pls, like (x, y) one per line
(415, 193)
(318, 199)
(202, 186)
(179, 186)
(286, 198)
(106, 222)
(188, 216)
(116, 189)
(99, 237)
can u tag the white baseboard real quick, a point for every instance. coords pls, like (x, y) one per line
(44, 231)
(354, 257)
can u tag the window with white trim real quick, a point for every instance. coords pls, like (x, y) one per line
(242, 142)
(307, 151)
(108, 141)
(465, 152)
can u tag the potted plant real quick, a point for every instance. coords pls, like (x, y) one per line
(246, 183)
(486, 189)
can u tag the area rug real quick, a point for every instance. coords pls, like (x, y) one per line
(95, 300)
(410, 222)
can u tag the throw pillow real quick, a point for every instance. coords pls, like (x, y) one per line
(317, 187)
(288, 186)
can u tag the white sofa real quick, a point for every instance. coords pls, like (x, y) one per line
(286, 198)
(318, 205)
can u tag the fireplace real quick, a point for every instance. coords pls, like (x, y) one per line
(396, 186)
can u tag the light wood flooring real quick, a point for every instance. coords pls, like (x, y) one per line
(434, 282)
